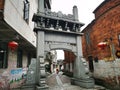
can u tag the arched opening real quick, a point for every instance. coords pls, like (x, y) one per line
(60, 60)
(59, 66)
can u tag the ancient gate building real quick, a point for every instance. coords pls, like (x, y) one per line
(59, 31)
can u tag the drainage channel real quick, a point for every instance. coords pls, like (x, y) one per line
(59, 82)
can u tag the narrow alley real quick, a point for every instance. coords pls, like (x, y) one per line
(62, 82)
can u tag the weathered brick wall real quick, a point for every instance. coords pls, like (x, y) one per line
(88, 48)
(106, 5)
(104, 27)
(69, 56)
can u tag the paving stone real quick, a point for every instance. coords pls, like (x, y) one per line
(62, 82)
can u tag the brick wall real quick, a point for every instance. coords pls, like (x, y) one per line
(105, 6)
(105, 27)
(69, 56)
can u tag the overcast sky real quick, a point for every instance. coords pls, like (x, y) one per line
(85, 8)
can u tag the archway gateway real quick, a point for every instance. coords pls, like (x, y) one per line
(58, 31)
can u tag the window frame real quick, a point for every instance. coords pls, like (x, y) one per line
(26, 10)
(4, 52)
(87, 38)
(19, 58)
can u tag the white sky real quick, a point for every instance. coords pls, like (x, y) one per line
(60, 54)
(85, 8)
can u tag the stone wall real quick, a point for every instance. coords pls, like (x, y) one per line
(105, 6)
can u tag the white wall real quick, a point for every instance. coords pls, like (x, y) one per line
(104, 69)
(13, 15)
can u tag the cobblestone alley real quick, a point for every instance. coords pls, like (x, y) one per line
(62, 82)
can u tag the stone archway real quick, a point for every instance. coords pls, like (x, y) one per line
(59, 31)
(51, 39)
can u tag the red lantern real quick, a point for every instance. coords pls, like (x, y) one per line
(13, 45)
(102, 45)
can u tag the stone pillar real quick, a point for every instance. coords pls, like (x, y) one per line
(40, 63)
(77, 66)
(75, 13)
(71, 67)
(31, 72)
(81, 73)
(41, 6)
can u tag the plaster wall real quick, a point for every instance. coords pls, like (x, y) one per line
(11, 77)
(108, 73)
(13, 15)
(107, 69)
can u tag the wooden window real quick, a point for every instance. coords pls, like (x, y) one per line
(26, 10)
(29, 59)
(19, 58)
(87, 37)
(3, 55)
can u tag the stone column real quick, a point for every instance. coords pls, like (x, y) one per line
(40, 63)
(77, 64)
(75, 13)
(81, 74)
(41, 6)
(71, 67)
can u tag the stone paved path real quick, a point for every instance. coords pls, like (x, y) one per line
(62, 82)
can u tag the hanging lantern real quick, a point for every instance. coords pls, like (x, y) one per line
(13, 45)
(102, 45)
